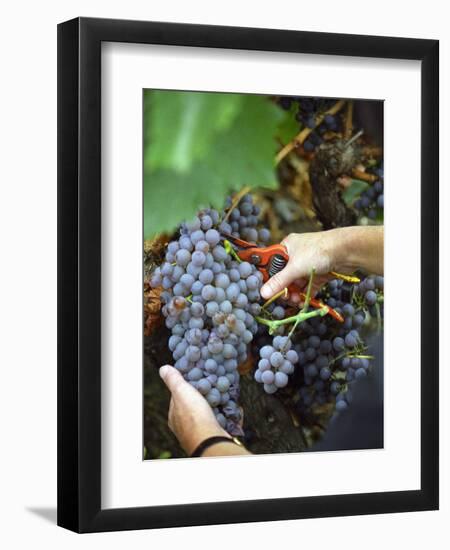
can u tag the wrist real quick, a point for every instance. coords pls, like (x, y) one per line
(232, 447)
(201, 435)
(344, 247)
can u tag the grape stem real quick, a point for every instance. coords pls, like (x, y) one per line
(304, 133)
(235, 202)
(308, 291)
(296, 319)
(352, 354)
(301, 316)
(230, 250)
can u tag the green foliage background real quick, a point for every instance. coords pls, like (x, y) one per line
(200, 146)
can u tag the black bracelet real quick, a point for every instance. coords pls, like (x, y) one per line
(211, 441)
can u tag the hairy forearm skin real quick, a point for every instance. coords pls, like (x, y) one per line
(359, 248)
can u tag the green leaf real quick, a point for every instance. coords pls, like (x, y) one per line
(243, 155)
(353, 191)
(181, 125)
(288, 127)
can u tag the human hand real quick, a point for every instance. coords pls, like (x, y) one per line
(306, 251)
(343, 249)
(190, 416)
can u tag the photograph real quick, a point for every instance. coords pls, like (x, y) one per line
(263, 259)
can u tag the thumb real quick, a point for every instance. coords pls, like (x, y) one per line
(172, 378)
(279, 281)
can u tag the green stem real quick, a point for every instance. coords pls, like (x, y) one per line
(296, 319)
(301, 316)
(230, 250)
(308, 290)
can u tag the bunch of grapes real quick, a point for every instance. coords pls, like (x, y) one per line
(210, 303)
(307, 110)
(369, 293)
(333, 355)
(243, 221)
(277, 362)
(371, 200)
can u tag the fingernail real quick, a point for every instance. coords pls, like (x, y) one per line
(264, 292)
(163, 371)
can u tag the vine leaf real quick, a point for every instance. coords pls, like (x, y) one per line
(240, 154)
(181, 126)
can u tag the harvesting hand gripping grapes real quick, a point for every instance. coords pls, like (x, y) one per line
(222, 303)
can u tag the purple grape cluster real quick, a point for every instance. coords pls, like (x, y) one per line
(276, 363)
(371, 201)
(369, 293)
(333, 355)
(243, 220)
(307, 110)
(210, 303)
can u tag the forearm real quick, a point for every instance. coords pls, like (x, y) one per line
(359, 248)
(225, 449)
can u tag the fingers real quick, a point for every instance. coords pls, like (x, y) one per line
(172, 379)
(181, 390)
(279, 281)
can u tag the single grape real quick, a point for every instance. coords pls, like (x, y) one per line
(222, 280)
(245, 269)
(281, 379)
(208, 293)
(370, 297)
(232, 292)
(325, 373)
(222, 384)
(213, 397)
(311, 370)
(212, 237)
(186, 244)
(360, 373)
(183, 257)
(350, 340)
(341, 406)
(267, 377)
(338, 343)
(211, 308)
(276, 360)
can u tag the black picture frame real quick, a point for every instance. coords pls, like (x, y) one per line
(79, 274)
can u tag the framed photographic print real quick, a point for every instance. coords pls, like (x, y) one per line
(223, 195)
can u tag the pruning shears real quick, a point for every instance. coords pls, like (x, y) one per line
(270, 260)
